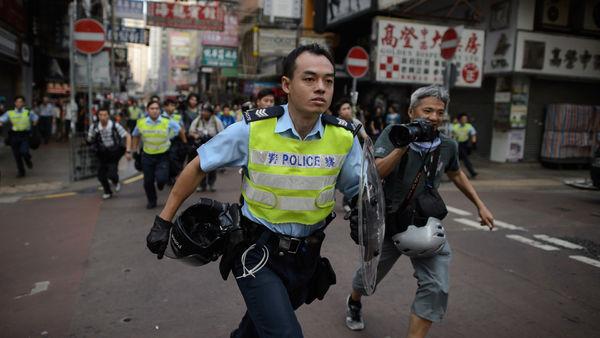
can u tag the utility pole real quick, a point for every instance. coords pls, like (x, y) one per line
(113, 76)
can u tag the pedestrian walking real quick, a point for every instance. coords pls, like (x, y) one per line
(226, 117)
(108, 136)
(46, 112)
(392, 116)
(412, 173)
(154, 131)
(178, 145)
(463, 132)
(189, 114)
(292, 156)
(22, 120)
(202, 129)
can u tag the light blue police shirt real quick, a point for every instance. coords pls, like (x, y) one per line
(173, 126)
(32, 115)
(229, 148)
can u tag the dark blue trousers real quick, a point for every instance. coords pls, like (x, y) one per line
(19, 142)
(108, 170)
(155, 167)
(463, 154)
(271, 297)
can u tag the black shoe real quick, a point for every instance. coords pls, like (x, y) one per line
(151, 205)
(474, 174)
(19, 175)
(354, 319)
(29, 164)
(160, 186)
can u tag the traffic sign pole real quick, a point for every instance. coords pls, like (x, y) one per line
(357, 65)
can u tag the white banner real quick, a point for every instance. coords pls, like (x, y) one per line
(557, 55)
(409, 52)
(277, 42)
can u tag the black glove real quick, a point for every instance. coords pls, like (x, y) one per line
(158, 238)
(352, 216)
(473, 146)
(137, 163)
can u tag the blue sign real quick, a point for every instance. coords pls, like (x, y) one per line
(129, 9)
(129, 34)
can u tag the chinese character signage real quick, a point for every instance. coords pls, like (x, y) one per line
(179, 57)
(129, 34)
(557, 55)
(227, 38)
(129, 9)
(276, 42)
(219, 57)
(175, 15)
(409, 52)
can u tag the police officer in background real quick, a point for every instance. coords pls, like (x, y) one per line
(134, 115)
(463, 132)
(21, 119)
(293, 157)
(177, 150)
(154, 131)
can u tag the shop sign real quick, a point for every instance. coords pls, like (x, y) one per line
(345, 9)
(8, 43)
(100, 69)
(409, 52)
(276, 42)
(557, 55)
(58, 88)
(219, 57)
(227, 38)
(129, 9)
(179, 57)
(129, 34)
(290, 9)
(176, 15)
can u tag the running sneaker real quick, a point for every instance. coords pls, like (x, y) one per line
(354, 319)
(106, 196)
(117, 187)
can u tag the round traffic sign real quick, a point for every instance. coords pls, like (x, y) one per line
(357, 62)
(449, 43)
(89, 36)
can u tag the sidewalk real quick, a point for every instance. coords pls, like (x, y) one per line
(50, 174)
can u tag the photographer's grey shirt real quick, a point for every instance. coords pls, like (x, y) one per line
(448, 162)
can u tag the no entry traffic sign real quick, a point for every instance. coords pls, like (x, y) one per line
(449, 43)
(89, 36)
(357, 62)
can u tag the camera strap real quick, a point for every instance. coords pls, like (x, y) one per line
(430, 176)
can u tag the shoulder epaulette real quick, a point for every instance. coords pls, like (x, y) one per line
(261, 114)
(336, 121)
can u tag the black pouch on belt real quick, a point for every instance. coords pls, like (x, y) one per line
(321, 280)
(310, 251)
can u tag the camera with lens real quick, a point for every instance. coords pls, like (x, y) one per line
(418, 130)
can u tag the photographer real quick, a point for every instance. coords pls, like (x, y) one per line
(411, 159)
(202, 129)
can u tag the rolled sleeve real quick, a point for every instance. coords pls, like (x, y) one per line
(4, 117)
(135, 132)
(228, 148)
(349, 177)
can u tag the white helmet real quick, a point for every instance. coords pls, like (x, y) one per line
(423, 241)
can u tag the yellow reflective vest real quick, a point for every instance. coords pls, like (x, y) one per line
(155, 137)
(19, 121)
(134, 112)
(293, 181)
(461, 133)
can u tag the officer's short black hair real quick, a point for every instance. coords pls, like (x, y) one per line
(19, 97)
(104, 107)
(265, 92)
(461, 115)
(170, 101)
(155, 98)
(289, 63)
(152, 102)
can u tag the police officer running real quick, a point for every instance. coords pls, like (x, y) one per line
(410, 169)
(21, 119)
(461, 132)
(177, 150)
(154, 131)
(293, 157)
(108, 135)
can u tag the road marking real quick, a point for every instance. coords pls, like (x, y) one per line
(64, 194)
(458, 211)
(586, 260)
(532, 242)
(471, 223)
(39, 287)
(508, 226)
(133, 179)
(560, 242)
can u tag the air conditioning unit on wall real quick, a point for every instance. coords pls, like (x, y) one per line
(556, 13)
(591, 16)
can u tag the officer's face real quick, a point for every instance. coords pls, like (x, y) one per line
(19, 103)
(464, 119)
(170, 108)
(266, 101)
(311, 88)
(431, 109)
(154, 110)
